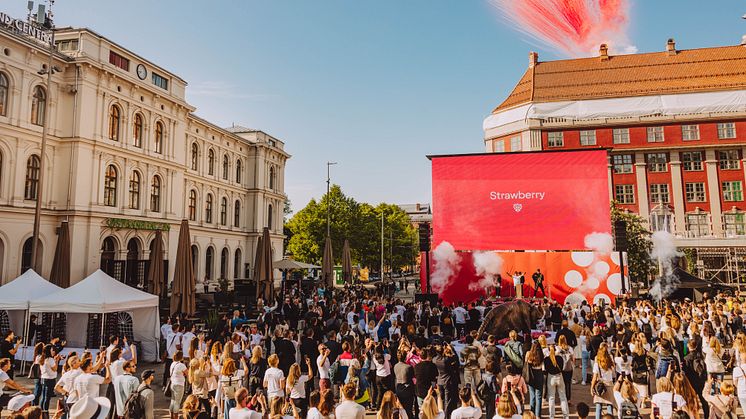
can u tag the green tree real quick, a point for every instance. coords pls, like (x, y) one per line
(639, 244)
(360, 223)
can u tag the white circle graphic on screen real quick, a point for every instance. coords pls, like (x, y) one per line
(597, 299)
(582, 258)
(614, 284)
(573, 279)
(601, 268)
(575, 298)
(615, 258)
(592, 283)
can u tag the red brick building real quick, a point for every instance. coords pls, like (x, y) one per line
(676, 124)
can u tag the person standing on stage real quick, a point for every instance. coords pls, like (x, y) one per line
(538, 278)
(517, 284)
(498, 285)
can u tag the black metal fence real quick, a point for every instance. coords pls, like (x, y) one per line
(132, 272)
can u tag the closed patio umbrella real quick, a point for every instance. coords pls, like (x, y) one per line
(265, 281)
(60, 274)
(183, 299)
(155, 270)
(257, 258)
(346, 263)
(327, 264)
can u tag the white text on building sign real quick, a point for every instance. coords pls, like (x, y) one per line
(25, 28)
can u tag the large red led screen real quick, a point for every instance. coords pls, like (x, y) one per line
(519, 201)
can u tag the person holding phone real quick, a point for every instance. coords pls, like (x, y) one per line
(721, 402)
(665, 401)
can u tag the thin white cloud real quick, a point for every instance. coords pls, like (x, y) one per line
(222, 90)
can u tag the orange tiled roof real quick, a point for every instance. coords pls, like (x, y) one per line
(687, 71)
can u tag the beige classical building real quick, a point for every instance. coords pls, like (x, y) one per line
(126, 156)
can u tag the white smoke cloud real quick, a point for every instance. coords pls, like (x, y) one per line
(446, 266)
(488, 265)
(599, 242)
(665, 252)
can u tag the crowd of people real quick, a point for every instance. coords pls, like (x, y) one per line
(337, 354)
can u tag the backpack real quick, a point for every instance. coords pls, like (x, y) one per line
(133, 408)
(515, 358)
(699, 367)
(664, 363)
(230, 386)
(628, 410)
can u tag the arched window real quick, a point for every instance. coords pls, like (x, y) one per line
(26, 255)
(237, 264)
(237, 214)
(135, 190)
(208, 209)
(211, 162)
(38, 105)
(110, 186)
(239, 171)
(155, 194)
(158, 141)
(195, 155)
(272, 178)
(115, 117)
(224, 263)
(108, 254)
(225, 167)
(209, 256)
(131, 276)
(269, 217)
(223, 211)
(33, 171)
(4, 85)
(137, 131)
(195, 256)
(193, 205)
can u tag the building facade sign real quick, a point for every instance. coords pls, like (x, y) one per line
(136, 224)
(25, 28)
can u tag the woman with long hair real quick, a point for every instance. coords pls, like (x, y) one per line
(48, 376)
(278, 407)
(390, 407)
(626, 398)
(178, 377)
(506, 408)
(535, 361)
(585, 355)
(432, 406)
(257, 367)
(295, 386)
(553, 366)
(326, 404)
(640, 366)
(567, 354)
(683, 388)
(713, 358)
(199, 371)
(514, 384)
(191, 408)
(229, 381)
(603, 380)
(665, 401)
(35, 371)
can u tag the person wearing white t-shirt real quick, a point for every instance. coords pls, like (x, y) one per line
(295, 386)
(65, 385)
(471, 407)
(323, 365)
(665, 400)
(177, 374)
(348, 408)
(242, 411)
(739, 379)
(88, 383)
(274, 378)
(8, 383)
(48, 366)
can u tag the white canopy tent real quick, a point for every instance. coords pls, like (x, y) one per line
(16, 297)
(100, 294)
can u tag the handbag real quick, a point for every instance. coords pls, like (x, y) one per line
(599, 388)
(167, 389)
(35, 372)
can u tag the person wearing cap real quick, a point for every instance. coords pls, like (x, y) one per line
(90, 408)
(147, 396)
(8, 383)
(20, 402)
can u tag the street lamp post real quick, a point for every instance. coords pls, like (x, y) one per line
(48, 71)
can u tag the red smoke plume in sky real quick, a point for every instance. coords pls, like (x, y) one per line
(573, 27)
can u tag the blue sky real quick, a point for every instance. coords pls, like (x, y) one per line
(373, 85)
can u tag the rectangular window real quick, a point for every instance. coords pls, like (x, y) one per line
(659, 193)
(695, 192)
(499, 146)
(692, 160)
(697, 225)
(657, 162)
(160, 81)
(622, 163)
(119, 61)
(690, 132)
(515, 144)
(732, 191)
(625, 194)
(588, 137)
(735, 224)
(655, 134)
(729, 159)
(556, 137)
(621, 135)
(68, 45)
(727, 130)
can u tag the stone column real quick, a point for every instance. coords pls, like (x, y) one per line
(677, 185)
(641, 178)
(713, 192)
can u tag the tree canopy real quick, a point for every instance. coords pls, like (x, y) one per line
(360, 223)
(639, 244)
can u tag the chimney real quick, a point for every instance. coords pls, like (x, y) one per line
(603, 52)
(533, 59)
(671, 46)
